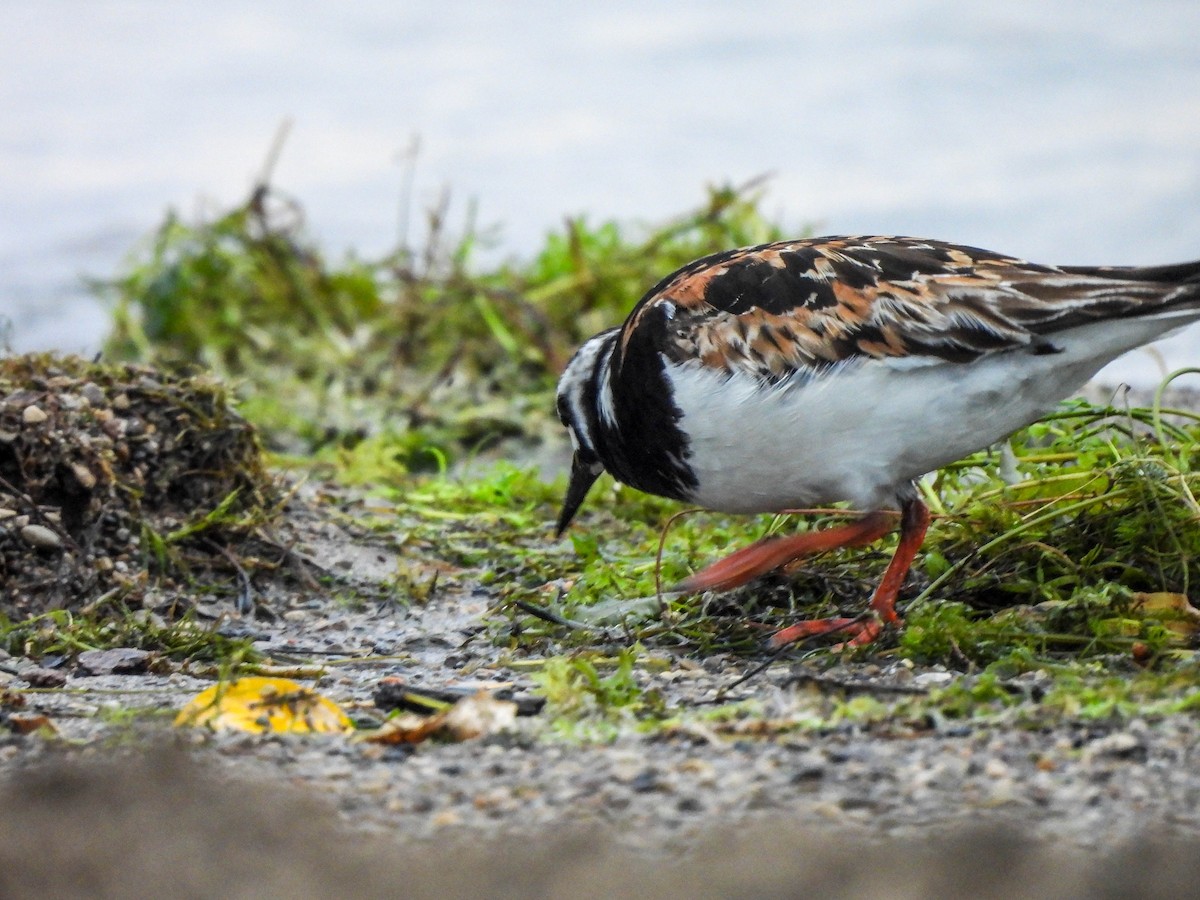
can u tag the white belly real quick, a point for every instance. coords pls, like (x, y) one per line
(863, 431)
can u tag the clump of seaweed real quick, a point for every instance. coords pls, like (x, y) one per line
(429, 343)
(112, 473)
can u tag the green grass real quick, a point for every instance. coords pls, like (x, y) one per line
(62, 633)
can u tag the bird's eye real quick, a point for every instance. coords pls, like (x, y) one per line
(562, 410)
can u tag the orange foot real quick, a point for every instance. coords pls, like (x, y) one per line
(860, 631)
(771, 553)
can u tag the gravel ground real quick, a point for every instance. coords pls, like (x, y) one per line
(1092, 786)
(1088, 807)
(1096, 789)
(1067, 812)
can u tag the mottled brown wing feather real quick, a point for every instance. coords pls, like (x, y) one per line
(780, 308)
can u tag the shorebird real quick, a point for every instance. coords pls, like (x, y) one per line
(830, 369)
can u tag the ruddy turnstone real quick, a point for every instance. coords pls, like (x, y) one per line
(842, 369)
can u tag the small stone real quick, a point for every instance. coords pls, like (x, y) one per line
(996, 768)
(33, 415)
(93, 393)
(932, 679)
(1121, 745)
(44, 678)
(41, 537)
(83, 475)
(121, 661)
(154, 600)
(809, 769)
(858, 802)
(209, 610)
(121, 402)
(646, 781)
(6, 513)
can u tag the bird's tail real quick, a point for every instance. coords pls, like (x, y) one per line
(1168, 291)
(1177, 273)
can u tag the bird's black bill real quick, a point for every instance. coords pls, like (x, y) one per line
(583, 476)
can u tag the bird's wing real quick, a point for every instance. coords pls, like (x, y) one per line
(799, 306)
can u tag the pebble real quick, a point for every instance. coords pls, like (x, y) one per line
(41, 537)
(33, 415)
(932, 679)
(83, 475)
(44, 678)
(996, 768)
(121, 661)
(93, 393)
(1121, 745)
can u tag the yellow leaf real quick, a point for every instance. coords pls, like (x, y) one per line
(263, 704)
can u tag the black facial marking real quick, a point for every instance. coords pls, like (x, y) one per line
(646, 449)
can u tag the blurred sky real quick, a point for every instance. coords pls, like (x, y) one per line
(1059, 131)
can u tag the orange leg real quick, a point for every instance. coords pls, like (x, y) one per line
(914, 522)
(771, 553)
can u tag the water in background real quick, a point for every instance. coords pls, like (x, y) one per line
(1054, 131)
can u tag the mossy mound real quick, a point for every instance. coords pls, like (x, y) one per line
(113, 477)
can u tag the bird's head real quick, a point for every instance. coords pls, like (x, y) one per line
(583, 389)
